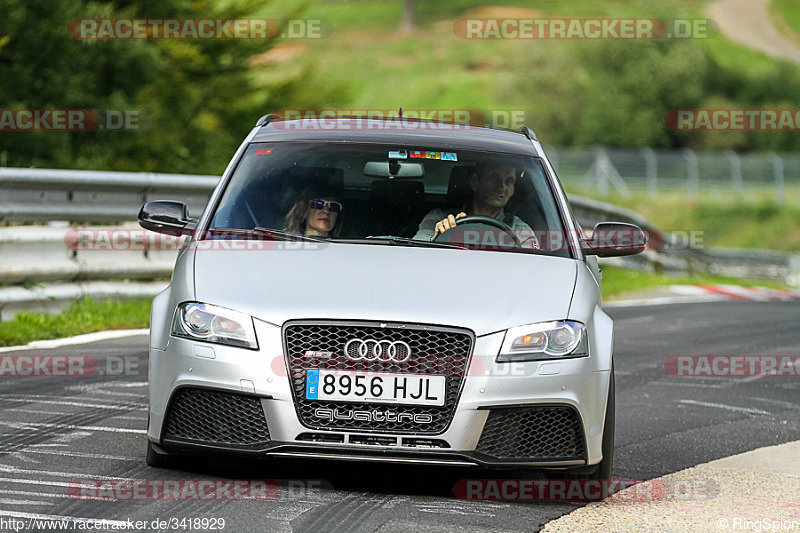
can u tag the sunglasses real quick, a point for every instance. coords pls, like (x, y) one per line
(335, 207)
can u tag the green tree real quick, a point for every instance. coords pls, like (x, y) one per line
(196, 98)
(617, 93)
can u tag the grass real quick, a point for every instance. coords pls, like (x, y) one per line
(431, 68)
(723, 219)
(85, 316)
(786, 15)
(617, 281)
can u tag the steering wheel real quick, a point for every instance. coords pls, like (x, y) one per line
(489, 221)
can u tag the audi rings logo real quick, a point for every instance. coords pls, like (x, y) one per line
(372, 350)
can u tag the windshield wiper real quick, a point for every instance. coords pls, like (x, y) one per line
(268, 233)
(279, 234)
(402, 241)
(290, 235)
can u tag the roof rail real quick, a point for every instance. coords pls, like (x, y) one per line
(529, 133)
(266, 119)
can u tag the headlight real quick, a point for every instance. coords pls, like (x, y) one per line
(209, 323)
(544, 341)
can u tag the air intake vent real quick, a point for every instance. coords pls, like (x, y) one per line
(425, 443)
(320, 437)
(373, 440)
(213, 417)
(533, 432)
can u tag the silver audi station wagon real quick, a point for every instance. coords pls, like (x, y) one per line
(386, 290)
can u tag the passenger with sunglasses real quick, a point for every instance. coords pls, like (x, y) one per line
(316, 212)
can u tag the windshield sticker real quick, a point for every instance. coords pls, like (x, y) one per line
(264, 152)
(399, 154)
(444, 156)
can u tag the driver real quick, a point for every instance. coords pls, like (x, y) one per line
(492, 187)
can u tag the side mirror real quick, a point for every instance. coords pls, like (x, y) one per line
(166, 216)
(613, 239)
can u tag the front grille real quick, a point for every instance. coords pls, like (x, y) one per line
(533, 432)
(434, 351)
(213, 417)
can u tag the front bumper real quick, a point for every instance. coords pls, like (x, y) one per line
(298, 450)
(573, 384)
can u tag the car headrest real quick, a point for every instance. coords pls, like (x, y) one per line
(397, 193)
(523, 192)
(302, 177)
(298, 178)
(458, 188)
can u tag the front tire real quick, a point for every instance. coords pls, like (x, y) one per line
(603, 469)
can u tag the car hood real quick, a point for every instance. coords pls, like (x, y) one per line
(480, 290)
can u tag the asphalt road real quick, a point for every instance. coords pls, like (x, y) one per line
(57, 430)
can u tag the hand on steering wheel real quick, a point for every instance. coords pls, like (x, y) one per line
(491, 221)
(462, 218)
(447, 223)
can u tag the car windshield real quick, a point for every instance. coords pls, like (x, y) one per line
(386, 194)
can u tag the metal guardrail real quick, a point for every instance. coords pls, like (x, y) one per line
(34, 254)
(669, 254)
(43, 272)
(38, 195)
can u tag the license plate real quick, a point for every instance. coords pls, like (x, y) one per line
(374, 387)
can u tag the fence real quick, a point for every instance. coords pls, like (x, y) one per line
(624, 171)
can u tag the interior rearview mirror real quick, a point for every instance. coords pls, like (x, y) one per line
(394, 169)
